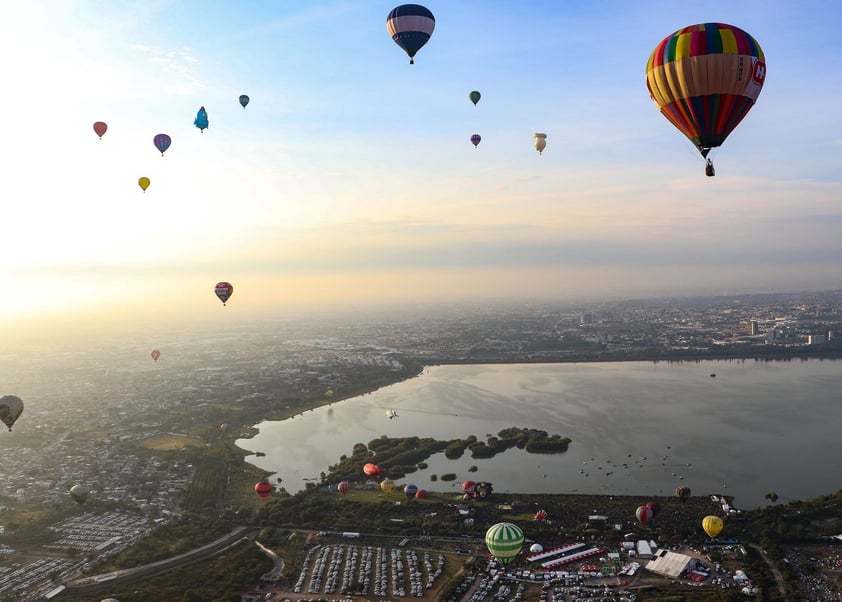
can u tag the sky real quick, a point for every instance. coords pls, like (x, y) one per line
(350, 180)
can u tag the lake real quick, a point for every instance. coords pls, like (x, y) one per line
(755, 427)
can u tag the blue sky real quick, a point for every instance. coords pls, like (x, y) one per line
(350, 177)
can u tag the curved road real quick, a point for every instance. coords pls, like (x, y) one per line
(103, 581)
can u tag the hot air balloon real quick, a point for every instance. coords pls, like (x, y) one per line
(11, 407)
(387, 485)
(643, 514)
(155, 355)
(391, 414)
(475, 96)
(162, 142)
(244, 100)
(263, 488)
(504, 541)
(712, 525)
(100, 128)
(201, 120)
(79, 493)
(410, 26)
(469, 487)
(223, 427)
(704, 79)
(421, 494)
(372, 470)
(682, 492)
(541, 515)
(223, 290)
(536, 548)
(143, 182)
(654, 506)
(410, 491)
(329, 393)
(540, 142)
(475, 139)
(343, 487)
(484, 489)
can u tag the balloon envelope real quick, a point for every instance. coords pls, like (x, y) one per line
(143, 183)
(475, 96)
(155, 354)
(536, 548)
(344, 487)
(540, 142)
(11, 407)
(654, 506)
(712, 525)
(162, 142)
(469, 486)
(682, 492)
(387, 485)
(372, 470)
(410, 491)
(410, 26)
(421, 494)
(643, 514)
(263, 488)
(475, 139)
(100, 128)
(201, 120)
(79, 493)
(223, 290)
(704, 79)
(244, 100)
(504, 541)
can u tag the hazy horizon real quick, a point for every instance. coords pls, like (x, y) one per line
(349, 180)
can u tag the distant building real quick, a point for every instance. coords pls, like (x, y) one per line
(670, 564)
(586, 318)
(816, 339)
(752, 327)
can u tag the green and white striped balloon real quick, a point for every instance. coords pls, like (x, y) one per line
(504, 541)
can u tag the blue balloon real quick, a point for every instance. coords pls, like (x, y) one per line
(201, 120)
(162, 142)
(410, 26)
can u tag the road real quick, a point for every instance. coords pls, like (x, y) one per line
(97, 583)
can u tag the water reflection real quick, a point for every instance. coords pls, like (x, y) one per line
(755, 428)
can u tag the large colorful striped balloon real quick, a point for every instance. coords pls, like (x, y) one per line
(410, 26)
(504, 541)
(705, 78)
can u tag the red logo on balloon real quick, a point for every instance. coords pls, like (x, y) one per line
(759, 73)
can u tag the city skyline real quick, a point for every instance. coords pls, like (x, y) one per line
(349, 180)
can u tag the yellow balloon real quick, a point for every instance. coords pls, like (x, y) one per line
(387, 485)
(143, 183)
(712, 525)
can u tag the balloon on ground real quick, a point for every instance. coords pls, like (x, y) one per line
(504, 541)
(712, 525)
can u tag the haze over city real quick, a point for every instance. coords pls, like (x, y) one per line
(350, 179)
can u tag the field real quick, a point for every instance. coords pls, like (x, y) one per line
(169, 442)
